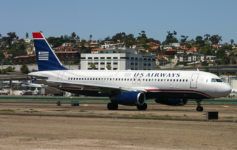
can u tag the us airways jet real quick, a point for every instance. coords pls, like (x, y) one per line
(128, 87)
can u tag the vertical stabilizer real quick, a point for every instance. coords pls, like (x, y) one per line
(46, 58)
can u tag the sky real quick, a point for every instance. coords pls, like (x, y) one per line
(103, 18)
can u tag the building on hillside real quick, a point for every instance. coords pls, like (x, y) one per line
(112, 45)
(195, 58)
(66, 57)
(66, 48)
(117, 61)
(162, 60)
(27, 40)
(217, 45)
(94, 44)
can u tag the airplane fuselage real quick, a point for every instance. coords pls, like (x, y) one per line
(173, 84)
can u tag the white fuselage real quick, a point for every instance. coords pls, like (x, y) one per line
(203, 83)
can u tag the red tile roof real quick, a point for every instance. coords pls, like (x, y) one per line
(95, 49)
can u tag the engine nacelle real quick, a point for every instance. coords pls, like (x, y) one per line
(129, 98)
(171, 101)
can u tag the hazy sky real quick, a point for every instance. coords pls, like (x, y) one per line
(103, 18)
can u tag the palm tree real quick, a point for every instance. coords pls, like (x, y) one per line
(27, 35)
(91, 37)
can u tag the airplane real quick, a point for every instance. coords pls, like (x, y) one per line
(128, 87)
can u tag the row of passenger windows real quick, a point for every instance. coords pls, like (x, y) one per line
(132, 58)
(102, 63)
(129, 79)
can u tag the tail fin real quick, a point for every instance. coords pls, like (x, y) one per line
(46, 58)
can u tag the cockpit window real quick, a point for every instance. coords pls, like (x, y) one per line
(216, 80)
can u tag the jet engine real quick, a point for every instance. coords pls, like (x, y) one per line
(172, 101)
(129, 98)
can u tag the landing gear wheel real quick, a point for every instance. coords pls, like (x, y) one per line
(112, 106)
(142, 107)
(199, 108)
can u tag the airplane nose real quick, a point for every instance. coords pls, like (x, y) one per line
(227, 89)
(223, 90)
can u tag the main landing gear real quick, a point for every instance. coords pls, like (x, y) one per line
(199, 107)
(112, 106)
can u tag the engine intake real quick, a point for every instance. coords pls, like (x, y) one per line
(129, 98)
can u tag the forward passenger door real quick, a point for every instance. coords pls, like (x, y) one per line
(193, 82)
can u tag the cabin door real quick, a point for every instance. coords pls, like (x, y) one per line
(193, 82)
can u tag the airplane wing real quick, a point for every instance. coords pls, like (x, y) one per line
(99, 86)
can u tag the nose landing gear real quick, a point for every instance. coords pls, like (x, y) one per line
(199, 107)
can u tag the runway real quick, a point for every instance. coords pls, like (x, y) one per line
(30, 125)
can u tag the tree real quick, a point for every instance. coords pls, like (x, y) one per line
(107, 38)
(232, 41)
(92, 66)
(27, 35)
(18, 49)
(206, 37)
(199, 41)
(207, 50)
(215, 39)
(56, 41)
(170, 37)
(142, 38)
(109, 67)
(73, 35)
(129, 40)
(24, 69)
(1, 55)
(183, 39)
(90, 37)
(11, 36)
(119, 37)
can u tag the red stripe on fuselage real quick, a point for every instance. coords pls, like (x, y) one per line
(169, 90)
(37, 35)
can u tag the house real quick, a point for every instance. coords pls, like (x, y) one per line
(112, 45)
(217, 45)
(66, 48)
(173, 51)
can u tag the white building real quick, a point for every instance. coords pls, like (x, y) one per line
(117, 61)
(112, 45)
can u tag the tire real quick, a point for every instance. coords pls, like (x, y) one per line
(199, 108)
(112, 106)
(142, 107)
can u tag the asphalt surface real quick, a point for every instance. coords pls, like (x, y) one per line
(44, 126)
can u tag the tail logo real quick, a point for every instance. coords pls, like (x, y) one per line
(43, 55)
